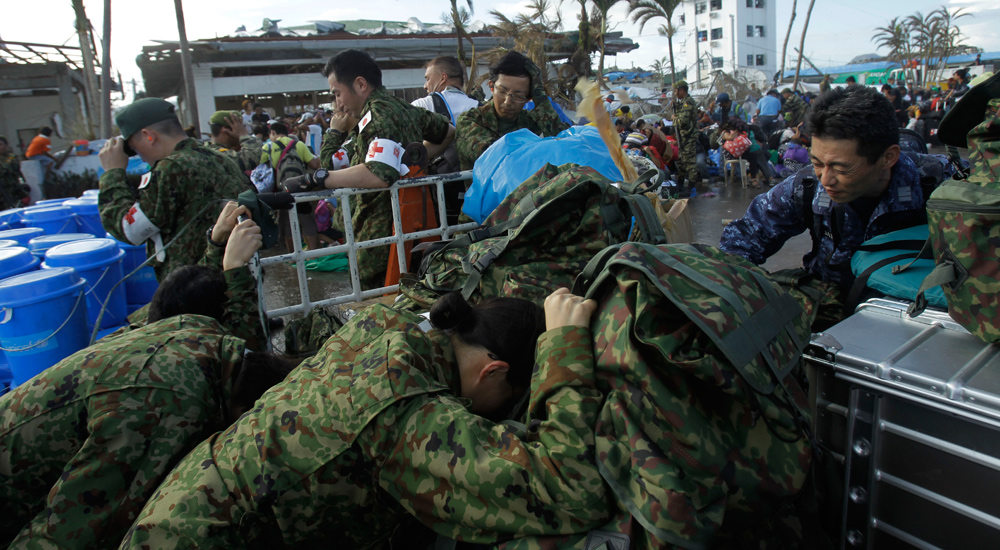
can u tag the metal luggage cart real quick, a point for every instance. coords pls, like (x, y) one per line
(911, 409)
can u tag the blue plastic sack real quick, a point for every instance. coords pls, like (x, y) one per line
(516, 157)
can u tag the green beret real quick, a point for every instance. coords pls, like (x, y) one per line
(969, 112)
(143, 113)
(787, 91)
(681, 84)
(220, 117)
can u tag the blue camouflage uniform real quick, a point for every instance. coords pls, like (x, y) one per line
(779, 215)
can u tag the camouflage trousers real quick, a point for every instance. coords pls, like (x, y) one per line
(687, 164)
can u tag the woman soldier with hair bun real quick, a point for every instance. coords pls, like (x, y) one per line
(388, 419)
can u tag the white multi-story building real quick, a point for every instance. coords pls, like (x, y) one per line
(728, 35)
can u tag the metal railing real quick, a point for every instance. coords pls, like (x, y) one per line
(350, 246)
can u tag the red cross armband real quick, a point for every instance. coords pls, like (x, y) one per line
(387, 152)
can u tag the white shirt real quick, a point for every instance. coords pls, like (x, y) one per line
(315, 138)
(457, 101)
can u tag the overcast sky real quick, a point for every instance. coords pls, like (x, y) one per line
(838, 31)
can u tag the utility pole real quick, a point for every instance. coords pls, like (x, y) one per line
(89, 74)
(732, 38)
(106, 73)
(190, 101)
(697, 46)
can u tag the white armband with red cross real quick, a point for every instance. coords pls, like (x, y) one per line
(340, 159)
(387, 152)
(138, 229)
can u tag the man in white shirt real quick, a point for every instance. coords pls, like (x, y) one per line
(445, 75)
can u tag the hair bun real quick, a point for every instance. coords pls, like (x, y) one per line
(451, 311)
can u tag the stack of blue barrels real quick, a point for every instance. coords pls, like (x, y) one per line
(58, 270)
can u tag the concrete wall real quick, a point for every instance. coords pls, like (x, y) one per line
(30, 113)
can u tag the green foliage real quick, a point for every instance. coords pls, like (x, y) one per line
(65, 184)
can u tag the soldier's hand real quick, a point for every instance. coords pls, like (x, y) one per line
(236, 126)
(341, 121)
(113, 155)
(227, 220)
(245, 240)
(299, 184)
(563, 309)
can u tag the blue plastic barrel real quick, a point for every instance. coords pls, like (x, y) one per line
(16, 260)
(22, 235)
(40, 245)
(53, 202)
(51, 219)
(43, 319)
(7, 243)
(139, 288)
(88, 217)
(11, 219)
(99, 261)
(91, 193)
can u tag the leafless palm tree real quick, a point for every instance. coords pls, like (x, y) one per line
(784, 47)
(601, 9)
(802, 43)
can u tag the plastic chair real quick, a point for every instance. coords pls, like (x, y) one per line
(731, 165)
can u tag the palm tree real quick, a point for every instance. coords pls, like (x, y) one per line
(527, 32)
(461, 17)
(802, 43)
(895, 37)
(643, 11)
(602, 7)
(784, 47)
(660, 68)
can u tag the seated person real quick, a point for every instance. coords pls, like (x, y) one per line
(739, 143)
(857, 177)
(514, 80)
(388, 420)
(85, 443)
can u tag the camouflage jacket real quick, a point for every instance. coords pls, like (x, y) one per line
(168, 200)
(794, 109)
(369, 429)
(778, 215)
(685, 111)
(248, 155)
(481, 127)
(386, 122)
(11, 187)
(84, 444)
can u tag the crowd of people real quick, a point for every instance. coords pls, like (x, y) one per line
(180, 432)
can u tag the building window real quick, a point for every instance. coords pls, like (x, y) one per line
(760, 59)
(699, 7)
(717, 34)
(716, 62)
(682, 20)
(758, 3)
(716, 5)
(749, 31)
(749, 3)
(759, 31)
(703, 64)
(702, 36)
(749, 60)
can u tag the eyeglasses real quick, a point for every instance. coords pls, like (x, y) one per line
(505, 94)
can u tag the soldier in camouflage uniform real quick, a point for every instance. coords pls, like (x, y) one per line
(386, 126)
(514, 80)
(685, 112)
(793, 107)
(85, 443)
(230, 137)
(12, 189)
(864, 182)
(381, 423)
(186, 177)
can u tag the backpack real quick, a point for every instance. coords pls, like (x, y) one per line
(964, 219)
(875, 268)
(537, 240)
(701, 438)
(290, 165)
(447, 163)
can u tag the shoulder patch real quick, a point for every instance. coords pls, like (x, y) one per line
(365, 120)
(146, 178)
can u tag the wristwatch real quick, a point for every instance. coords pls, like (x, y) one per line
(332, 130)
(319, 178)
(208, 235)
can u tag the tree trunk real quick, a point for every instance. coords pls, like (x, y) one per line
(191, 102)
(106, 73)
(670, 48)
(784, 47)
(89, 75)
(600, 66)
(802, 43)
(584, 29)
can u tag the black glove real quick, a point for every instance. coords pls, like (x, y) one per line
(537, 88)
(299, 184)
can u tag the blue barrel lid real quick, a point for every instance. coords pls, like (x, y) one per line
(47, 213)
(22, 235)
(11, 214)
(91, 193)
(53, 201)
(85, 254)
(4, 243)
(46, 242)
(85, 205)
(35, 286)
(129, 246)
(16, 260)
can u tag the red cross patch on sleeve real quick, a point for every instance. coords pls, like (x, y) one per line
(136, 225)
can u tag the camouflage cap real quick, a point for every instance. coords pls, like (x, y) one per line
(969, 111)
(143, 113)
(787, 91)
(681, 84)
(221, 117)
